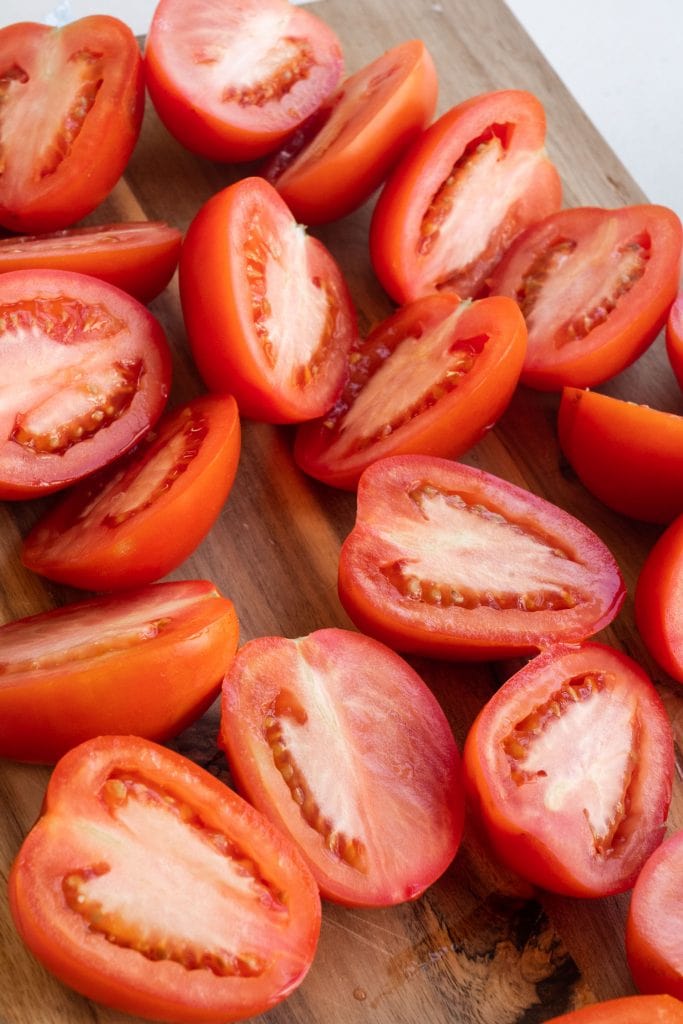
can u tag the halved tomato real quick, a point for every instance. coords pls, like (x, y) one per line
(341, 744)
(654, 930)
(658, 602)
(628, 1010)
(674, 338)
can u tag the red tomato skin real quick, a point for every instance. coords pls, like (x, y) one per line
(654, 942)
(180, 668)
(674, 338)
(657, 1009)
(658, 601)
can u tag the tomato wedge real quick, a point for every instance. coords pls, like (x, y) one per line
(595, 287)
(461, 194)
(139, 519)
(654, 930)
(150, 886)
(570, 767)
(84, 372)
(658, 602)
(674, 338)
(268, 314)
(341, 744)
(231, 79)
(452, 562)
(147, 662)
(72, 103)
(628, 1010)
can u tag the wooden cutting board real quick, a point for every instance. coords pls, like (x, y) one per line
(479, 947)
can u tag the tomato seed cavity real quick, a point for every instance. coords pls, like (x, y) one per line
(293, 60)
(89, 65)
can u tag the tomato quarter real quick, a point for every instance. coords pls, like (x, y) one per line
(628, 1010)
(659, 601)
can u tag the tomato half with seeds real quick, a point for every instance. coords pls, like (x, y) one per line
(141, 517)
(267, 310)
(84, 372)
(149, 886)
(342, 745)
(72, 105)
(654, 930)
(657, 1009)
(453, 562)
(595, 287)
(461, 194)
(231, 79)
(674, 338)
(658, 602)
(147, 662)
(570, 768)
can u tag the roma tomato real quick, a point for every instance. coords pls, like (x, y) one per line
(268, 314)
(628, 1010)
(452, 562)
(654, 930)
(658, 601)
(346, 149)
(72, 104)
(595, 287)
(341, 744)
(139, 519)
(150, 886)
(674, 338)
(570, 769)
(147, 662)
(461, 194)
(84, 372)
(432, 379)
(231, 79)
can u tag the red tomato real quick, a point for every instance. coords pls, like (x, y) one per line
(570, 767)
(138, 257)
(341, 744)
(84, 372)
(72, 104)
(332, 164)
(654, 931)
(231, 79)
(139, 519)
(628, 1010)
(150, 886)
(659, 601)
(148, 662)
(674, 338)
(595, 287)
(449, 561)
(268, 314)
(432, 379)
(461, 194)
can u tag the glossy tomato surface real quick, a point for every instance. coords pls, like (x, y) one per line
(139, 519)
(341, 744)
(431, 380)
(150, 886)
(231, 79)
(659, 601)
(147, 662)
(267, 311)
(453, 562)
(658, 1009)
(654, 930)
(84, 372)
(72, 105)
(570, 768)
(674, 338)
(461, 194)
(595, 287)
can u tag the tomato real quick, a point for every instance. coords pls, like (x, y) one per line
(461, 194)
(84, 372)
(452, 562)
(150, 886)
(674, 338)
(72, 104)
(337, 159)
(138, 257)
(432, 379)
(627, 1010)
(654, 930)
(140, 518)
(341, 744)
(658, 601)
(147, 662)
(231, 79)
(595, 287)
(267, 311)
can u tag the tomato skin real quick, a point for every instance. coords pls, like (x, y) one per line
(658, 601)
(108, 779)
(657, 1009)
(336, 699)
(534, 823)
(674, 338)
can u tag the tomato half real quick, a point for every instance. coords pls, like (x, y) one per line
(658, 602)
(654, 930)
(674, 338)
(337, 159)
(570, 768)
(595, 287)
(150, 886)
(72, 105)
(461, 194)
(268, 314)
(628, 1010)
(148, 662)
(140, 518)
(84, 372)
(341, 744)
(453, 562)
(231, 79)
(432, 379)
